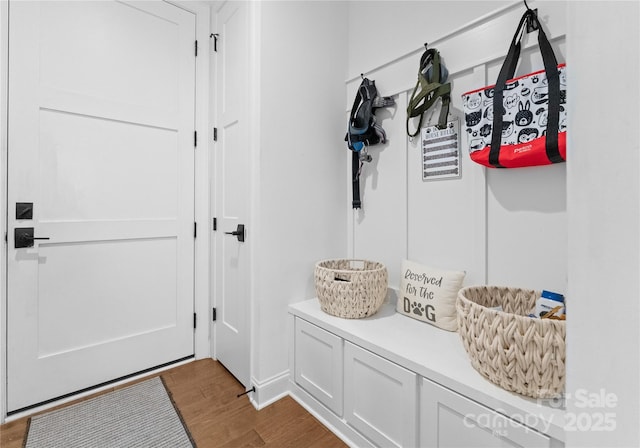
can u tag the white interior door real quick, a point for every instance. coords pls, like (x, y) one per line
(232, 280)
(100, 140)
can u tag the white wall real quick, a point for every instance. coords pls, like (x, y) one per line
(299, 210)
(382, 31)
(603, 199)
(505, 227)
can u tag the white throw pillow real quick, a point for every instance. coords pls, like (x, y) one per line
(429, 294)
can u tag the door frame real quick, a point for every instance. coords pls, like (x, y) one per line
(202, 261)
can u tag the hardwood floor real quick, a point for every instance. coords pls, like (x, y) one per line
(205, 393)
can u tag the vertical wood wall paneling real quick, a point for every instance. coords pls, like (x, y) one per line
(479, 201)
(501, 226)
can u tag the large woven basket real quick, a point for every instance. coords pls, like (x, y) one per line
(518, 353)
(350, 288)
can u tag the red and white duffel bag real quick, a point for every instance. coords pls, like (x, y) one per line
(521, 121)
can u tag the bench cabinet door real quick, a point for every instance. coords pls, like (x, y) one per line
(380, 398)
(319, 363)
(451, 420)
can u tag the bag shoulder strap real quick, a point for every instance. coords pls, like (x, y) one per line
(507, 72)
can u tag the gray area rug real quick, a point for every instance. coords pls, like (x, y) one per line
(142, 415)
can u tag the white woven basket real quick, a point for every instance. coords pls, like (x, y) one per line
(518, 353)
(350, 288)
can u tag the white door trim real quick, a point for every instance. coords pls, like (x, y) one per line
(203, 216)
(255, 94)
(4, 70)
(202, 193)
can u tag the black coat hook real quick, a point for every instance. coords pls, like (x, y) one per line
(532, 18)
(215, 40)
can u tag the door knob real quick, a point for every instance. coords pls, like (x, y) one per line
(239, 233)
(23, 237)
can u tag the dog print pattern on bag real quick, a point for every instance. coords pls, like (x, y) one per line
(473, 101)
(524, 111)
(473, 118)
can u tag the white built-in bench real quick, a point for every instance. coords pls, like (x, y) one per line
(389, 380)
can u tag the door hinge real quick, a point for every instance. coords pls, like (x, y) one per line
(195, 230)
(195, 138)
(6, 238)
(196, 48)
(215, 40)
(195, 320)
(215, 224)
(215, 134)
(214, 315)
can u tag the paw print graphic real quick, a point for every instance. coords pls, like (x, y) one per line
(418, 309)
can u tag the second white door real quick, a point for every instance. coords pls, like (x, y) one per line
(232, 173)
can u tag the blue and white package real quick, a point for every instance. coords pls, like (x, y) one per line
(549, 300)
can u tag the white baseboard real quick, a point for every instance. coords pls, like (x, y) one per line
(281, 385)
(270, 390)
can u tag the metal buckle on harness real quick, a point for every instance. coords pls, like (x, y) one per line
(363, 156)
(383, 101)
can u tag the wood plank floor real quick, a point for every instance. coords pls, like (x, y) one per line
(205, 393)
